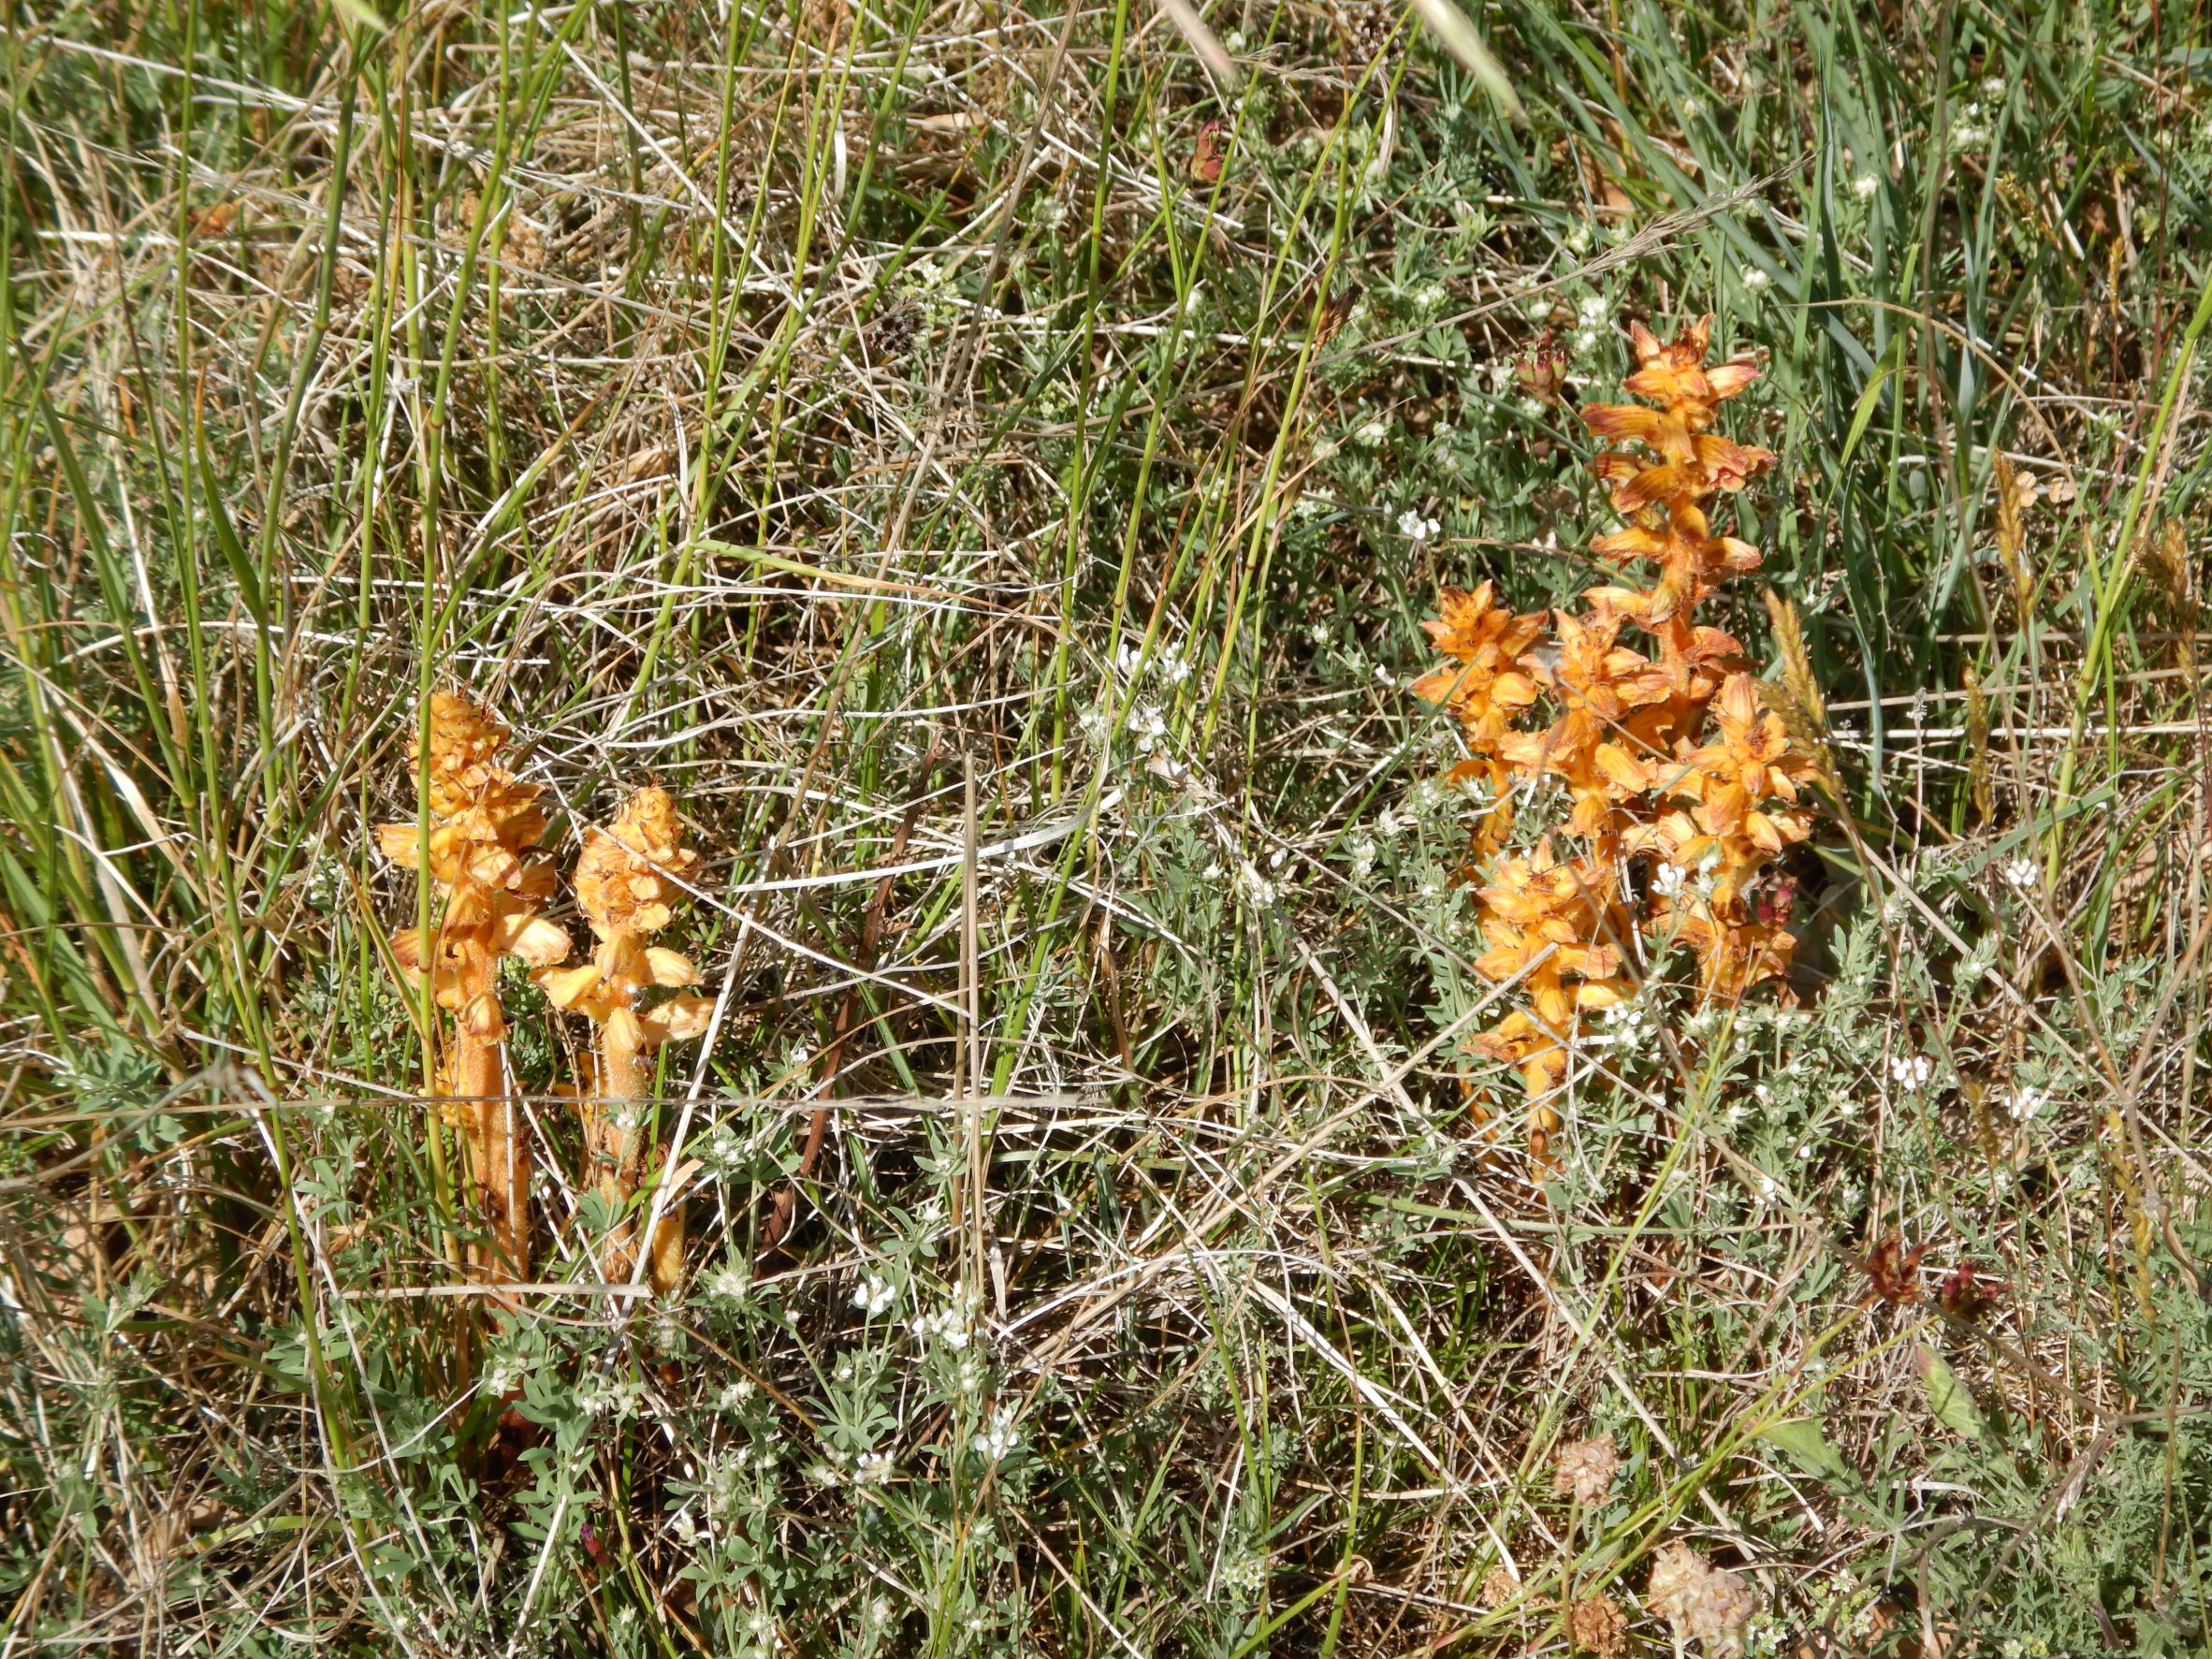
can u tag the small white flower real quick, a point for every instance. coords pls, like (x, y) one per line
(1389, 823)
(947, 1328)
(1994, 88)
(1578, 240)
(1372, 433)
(1256, 886)
(875, 1294)
(2021, 875)
(1412, 526)
(730, 1282)
(1584, 340)
(1317, 632)
(1324, 449)
(1693, 107)
(1362, 852)
(872, 1469)
(1591, 309)
(1911, 1071)
(998, 1438)
(1670, 880)
(1865, 185)
(1756, 279)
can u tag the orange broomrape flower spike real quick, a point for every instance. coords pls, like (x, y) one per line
(1662, 500)
(1631, 735)
(629, 877)
(1743, 790)
(484, 827)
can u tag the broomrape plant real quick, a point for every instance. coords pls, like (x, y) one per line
(483, 826)
(483, 862)
(1668, 756)
(628, 879)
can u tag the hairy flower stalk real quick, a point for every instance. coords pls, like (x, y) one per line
(1667, 753)
(628, 880)
(484, 825)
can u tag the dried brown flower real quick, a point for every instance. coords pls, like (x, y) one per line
(1500, 1585)
(1596, 1624)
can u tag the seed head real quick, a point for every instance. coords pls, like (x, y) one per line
(1700, 1602)
(1586, 1469)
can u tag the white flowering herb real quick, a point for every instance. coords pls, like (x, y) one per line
(946, 1328)
(875, 1294)
(998, 1438)
(872, 1468)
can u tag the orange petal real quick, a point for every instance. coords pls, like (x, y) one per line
(402, 843)
(1730, 378)
(666, 968)
(481, 1019)
(624, 1030)
(1440, 685)
(534, 939)
(678, 1020)
(1622, 421)
(567, 986)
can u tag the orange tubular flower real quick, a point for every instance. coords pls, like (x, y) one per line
(1734, 779)
(1597, 744)
(628, 879)
(1484, 691)
(1664, 502)
(1488, 689)
(485, 825)
(1549, 927)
